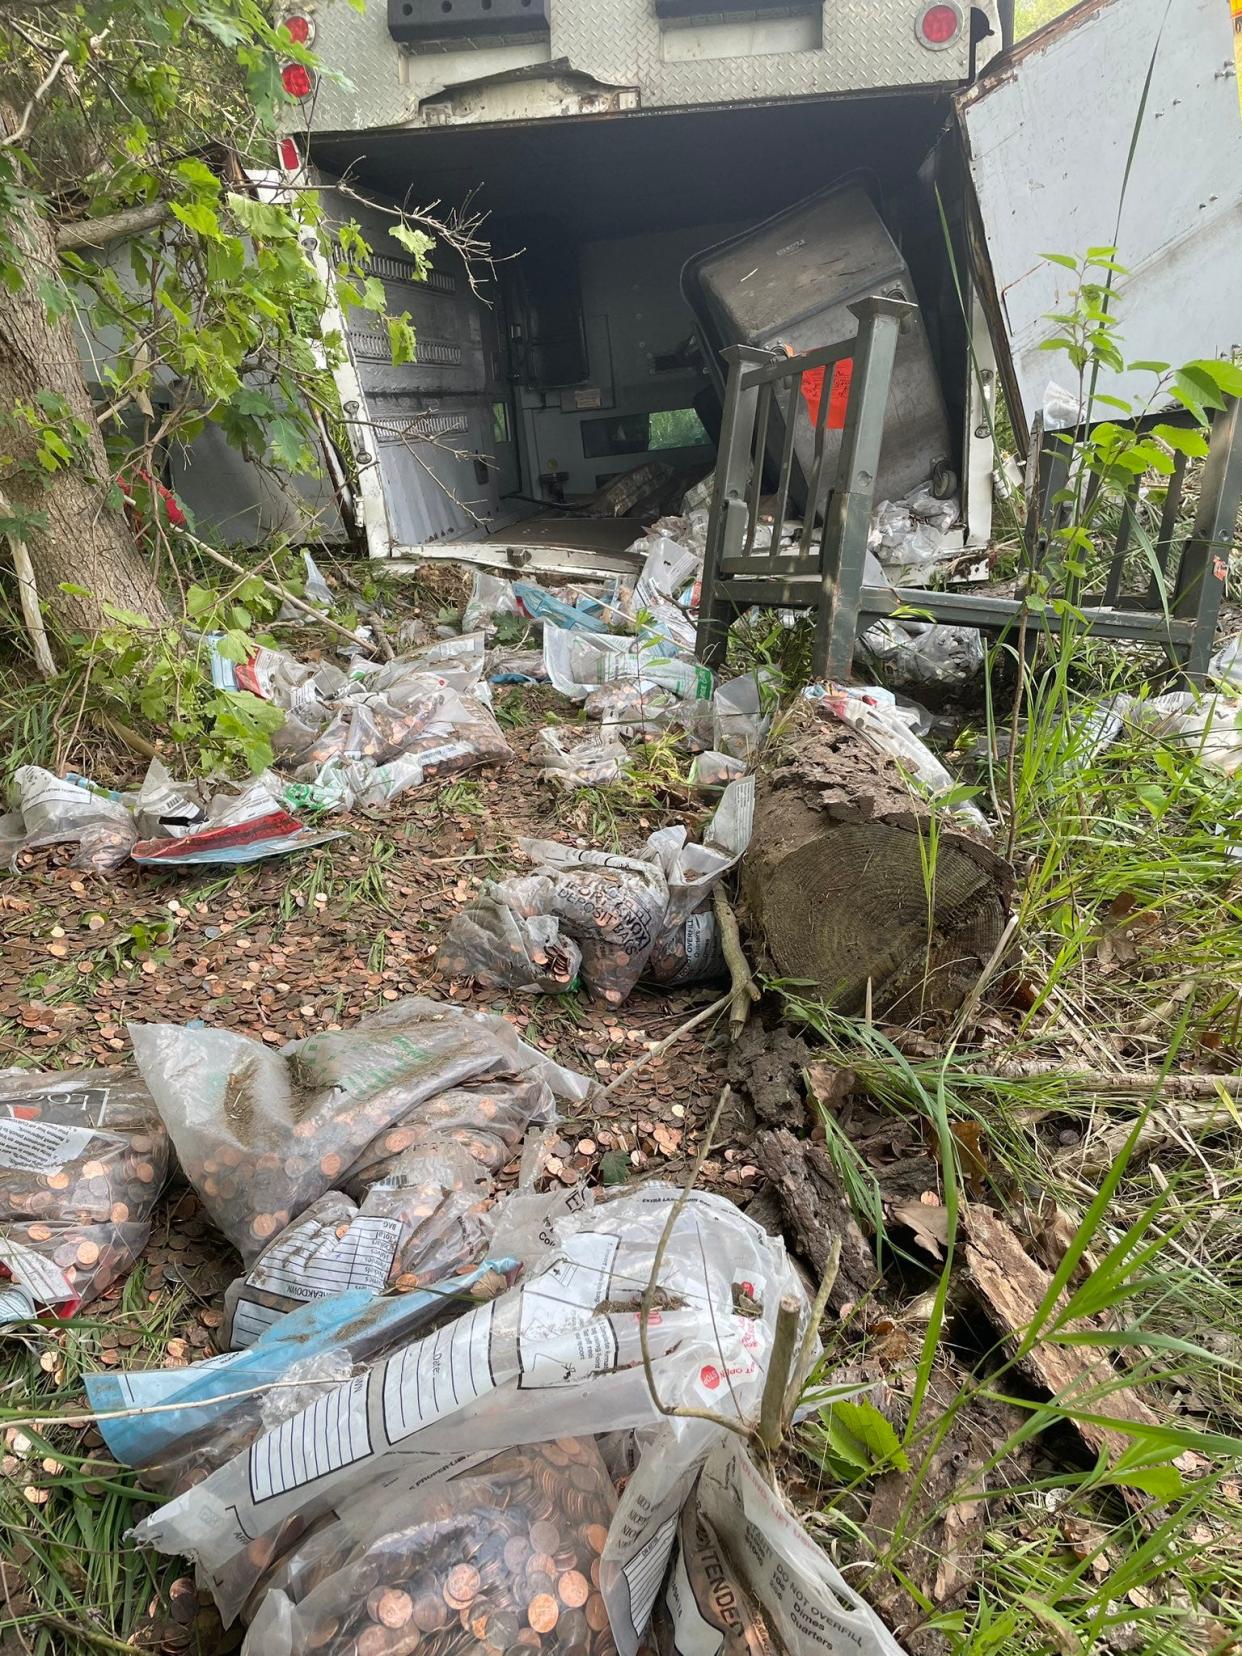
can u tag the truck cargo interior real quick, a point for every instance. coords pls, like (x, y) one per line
(569, 390)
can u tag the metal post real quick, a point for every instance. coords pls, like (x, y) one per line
(1205, 556)
(847, 522)
(733, 459)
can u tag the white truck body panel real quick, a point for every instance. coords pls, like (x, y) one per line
(1049, 130)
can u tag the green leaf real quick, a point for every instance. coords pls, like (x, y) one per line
(1060, 259)
(198, 600)
(864, 1422)
(199, 217)
(196, 172)
(401, 341)
(1225, 376)
(53, 295)
(1193, 382)
(1148, 367)
(1165, 1483)
(1183, 440)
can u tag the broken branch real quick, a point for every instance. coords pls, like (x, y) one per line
(776, 1382)
(744, 989)
(661, 1047)
(110, 227)
(275, 587)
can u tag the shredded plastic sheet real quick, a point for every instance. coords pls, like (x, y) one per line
(421, 1224)
(711, 771)
(1209, 725)
(922, 654)
(559, 1354)
(740, 727)
(591, 761)
(83, 1159)
(507, 1548)
(180, 1424)
(262, 1134)
(491, 597)
(509, 938)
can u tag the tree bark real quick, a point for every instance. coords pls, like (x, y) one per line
(857, 890)
(86, 542)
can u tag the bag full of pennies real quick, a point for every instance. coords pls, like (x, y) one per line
(83, 1159)
(504, 1557)
(263, 1134)
(423, 1224)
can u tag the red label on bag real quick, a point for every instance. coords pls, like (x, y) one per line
(838, 395)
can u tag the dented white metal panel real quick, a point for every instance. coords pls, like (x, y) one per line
(613, 56)
(1048, 133)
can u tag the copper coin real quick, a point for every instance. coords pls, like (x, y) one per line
(596, 1613)
(543, 1612)
(429, 1613)
(573, 1589)
(394, 1608)
(596, 1537)
(541, 1563)
(462, 1585)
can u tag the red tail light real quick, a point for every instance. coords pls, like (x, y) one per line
(301, 29)
(297, 80)
(939, 24)
(290, 158)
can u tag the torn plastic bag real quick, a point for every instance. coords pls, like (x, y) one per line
(559, 1354)
(83, 1159)
(486, 1120)
(912, 535)
(180, 1424)
(239, 827)
(52, 810)
(613, 907)
(590, 761)
(632, 708)
(923, 654)
(164, 807)
(693, 870)
(577, 662)
(491, 597)
(740, 725)
(668, 570)
(710, 771)
(747, 1577)
(504, 1551)
(261, 1134)
(315, 590)
(509, 939)
(511, 666)
(421, 1224)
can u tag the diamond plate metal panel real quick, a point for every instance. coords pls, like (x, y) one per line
(600, 45)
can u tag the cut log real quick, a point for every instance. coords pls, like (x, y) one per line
(852, 879)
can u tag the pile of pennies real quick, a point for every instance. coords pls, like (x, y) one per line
(486, 1119)
(505, 1563)
(81, 1168)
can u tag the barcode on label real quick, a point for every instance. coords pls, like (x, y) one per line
(330, 1434)
(438, 1375)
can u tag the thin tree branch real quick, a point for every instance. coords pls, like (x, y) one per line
(109, 227)
(40, 92)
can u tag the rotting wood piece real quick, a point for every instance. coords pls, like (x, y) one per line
(847, 863)
(1011, 1287)
(802, 1180)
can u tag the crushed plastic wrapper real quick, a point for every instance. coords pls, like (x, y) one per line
(261, 1134)
(83, 1159)
(912, 535)
(922, 654)
(578, 662)
(710, 771)
(423, 1222)
(559, 1354)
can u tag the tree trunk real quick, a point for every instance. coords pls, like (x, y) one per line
(852, 882)
(86, 542)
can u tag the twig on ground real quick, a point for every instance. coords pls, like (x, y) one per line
(985, 977)
(661, 1047)
(744, 990)
(682, 1412)
(381, 637)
